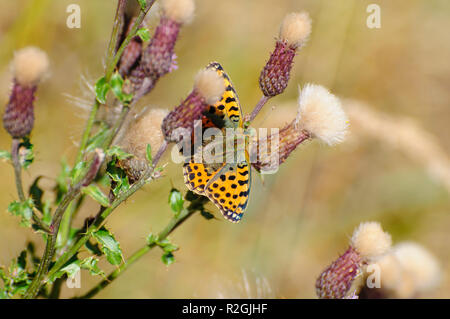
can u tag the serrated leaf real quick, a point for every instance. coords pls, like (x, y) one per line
(5, 155)
(148, 154)
(118, 153)
(98, 139)
(109, 246)
(71, 269)
(26, 154)
(101, 89)
(176, 201)
(144, 34)
(116, 84)
(119, 177)
(22, 209)
(168, 258)
(95, 192)
(91, 264)
(36, 194)
(142, 3)
(152, 239)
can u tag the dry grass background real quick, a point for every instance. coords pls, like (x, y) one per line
(299, 219)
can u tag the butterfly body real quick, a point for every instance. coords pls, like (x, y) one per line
(226, 178)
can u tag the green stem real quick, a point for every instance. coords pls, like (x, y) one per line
(87, 131)
(171, 226)
(18, 177)
(106, 212)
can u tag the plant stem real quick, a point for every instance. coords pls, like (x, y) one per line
(171, 226)
(257, 108)
(110, 68)
(18, 177)
(106, 212)
(17, 168)
(87, 131)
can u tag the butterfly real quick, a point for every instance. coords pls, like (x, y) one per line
(225, 183)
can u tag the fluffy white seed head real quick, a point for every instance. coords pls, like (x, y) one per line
(181, 11)
(30, 64)
(145, 129)
(371, 241)
(321, 114)
(295, 28)
(210, 85)
(418, 266)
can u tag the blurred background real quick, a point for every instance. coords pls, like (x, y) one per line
(299, 219)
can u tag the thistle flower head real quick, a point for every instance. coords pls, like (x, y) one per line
(344, 276)
(321, 114)
(143, 130)
(295, 29)
(371, 241)
(275, 75)
(180, 11)
(208, 87)
(30, 64)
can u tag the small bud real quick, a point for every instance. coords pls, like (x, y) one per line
(320, 113)
(159, 57)
(208, 88)
(29, 65)
(132, 52)
(337, 280)
(279, 147)
(97, 161)
(145, 129)
(294, 32)
(344, 276)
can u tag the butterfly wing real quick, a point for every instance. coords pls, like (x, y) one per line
(227, 111)
(229, 190)
(226, 185)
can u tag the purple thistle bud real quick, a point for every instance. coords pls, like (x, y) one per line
(18, 119)
(30, 65)
(294, 32)
(335, 282)
(279, 147)
(208, 88)
(274, 77)
(132, 52)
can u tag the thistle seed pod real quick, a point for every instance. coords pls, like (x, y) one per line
(344, 276)
(208, 88)
(294, 32)
(30, 65)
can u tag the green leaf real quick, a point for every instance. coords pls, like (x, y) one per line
(118, 153)
(26, 153)
(22, 209)
(176, 201)
(143, 4)
(36, 194)
(95, 192)
(144, 34)
(5, 155)
(119, 177)
(71, 269)
(151, 239)
(91, 264)
(101, 89)
(110, 247)
(98, 139)
(168, 258)
(76, 171)
(116, 84)
(149, 154)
